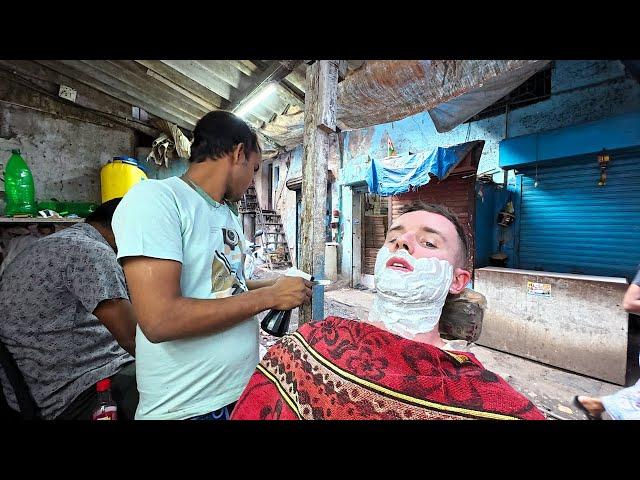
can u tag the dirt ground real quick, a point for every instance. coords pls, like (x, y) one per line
(551, 389)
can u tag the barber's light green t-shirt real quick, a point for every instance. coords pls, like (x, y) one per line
(174, 219)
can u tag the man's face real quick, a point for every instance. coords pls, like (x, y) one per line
(245, 166)
(426, 235)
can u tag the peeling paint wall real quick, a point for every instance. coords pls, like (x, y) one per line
(290, 164)
(579, 326)
(65, 152)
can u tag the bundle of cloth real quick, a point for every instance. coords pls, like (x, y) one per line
(171, 144)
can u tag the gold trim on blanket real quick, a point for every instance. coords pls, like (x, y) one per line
(394, 394)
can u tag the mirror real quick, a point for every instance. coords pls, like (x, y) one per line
(258, 233)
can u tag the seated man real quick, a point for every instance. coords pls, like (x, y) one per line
(394, 365)
(66, 320)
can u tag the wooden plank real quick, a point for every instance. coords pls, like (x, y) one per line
(180, 90)
(227, 72)
(156, 108)
(90, 102)
(185, 82)
(141, 83)
(293, 91)
(198, 73)
(328, 78)
(245, 66)
(297, 78)
(343, 67)
(51, 80)
(321, 93)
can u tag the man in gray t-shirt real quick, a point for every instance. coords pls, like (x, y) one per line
(66, 318)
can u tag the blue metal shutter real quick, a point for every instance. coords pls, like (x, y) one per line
(569, 224)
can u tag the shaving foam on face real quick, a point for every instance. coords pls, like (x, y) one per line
(409, 303)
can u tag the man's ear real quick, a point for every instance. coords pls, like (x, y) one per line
(460, 280)
(238, 154)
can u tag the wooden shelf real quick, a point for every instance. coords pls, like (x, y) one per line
(12, 221)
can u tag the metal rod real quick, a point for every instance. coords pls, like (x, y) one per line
(65, 116)
(23, 80)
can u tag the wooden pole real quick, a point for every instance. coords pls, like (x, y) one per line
(319, 124)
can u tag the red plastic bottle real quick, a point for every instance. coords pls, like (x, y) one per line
(106, 408)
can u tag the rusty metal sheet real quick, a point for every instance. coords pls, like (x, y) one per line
(388, 90)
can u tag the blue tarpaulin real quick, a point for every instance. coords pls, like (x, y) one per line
(402, 173)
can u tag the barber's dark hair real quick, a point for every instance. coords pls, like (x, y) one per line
(104, 213)
(217, 133)
(420, 206)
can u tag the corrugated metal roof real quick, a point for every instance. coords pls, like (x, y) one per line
(178, 90)
(182, 91)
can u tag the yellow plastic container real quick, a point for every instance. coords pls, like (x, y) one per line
(118, 176)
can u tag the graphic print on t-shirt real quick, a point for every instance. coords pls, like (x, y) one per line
(226, 265)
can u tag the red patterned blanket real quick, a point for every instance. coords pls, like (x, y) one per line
(342, 369)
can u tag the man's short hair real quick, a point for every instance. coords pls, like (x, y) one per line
(104, 213)
(218, 133)
(420, 206)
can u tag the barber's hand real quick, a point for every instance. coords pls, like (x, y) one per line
(290, 292)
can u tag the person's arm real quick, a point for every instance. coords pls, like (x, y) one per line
(255, 284)
(164, 314)
(118, 316)
(631, 302)
(97, 281)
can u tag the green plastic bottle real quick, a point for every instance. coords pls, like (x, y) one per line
(18, 186)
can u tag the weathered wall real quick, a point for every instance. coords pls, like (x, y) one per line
(284, 199)
(580, 326)
(64, 145)
(290, 165)
(261, 182)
